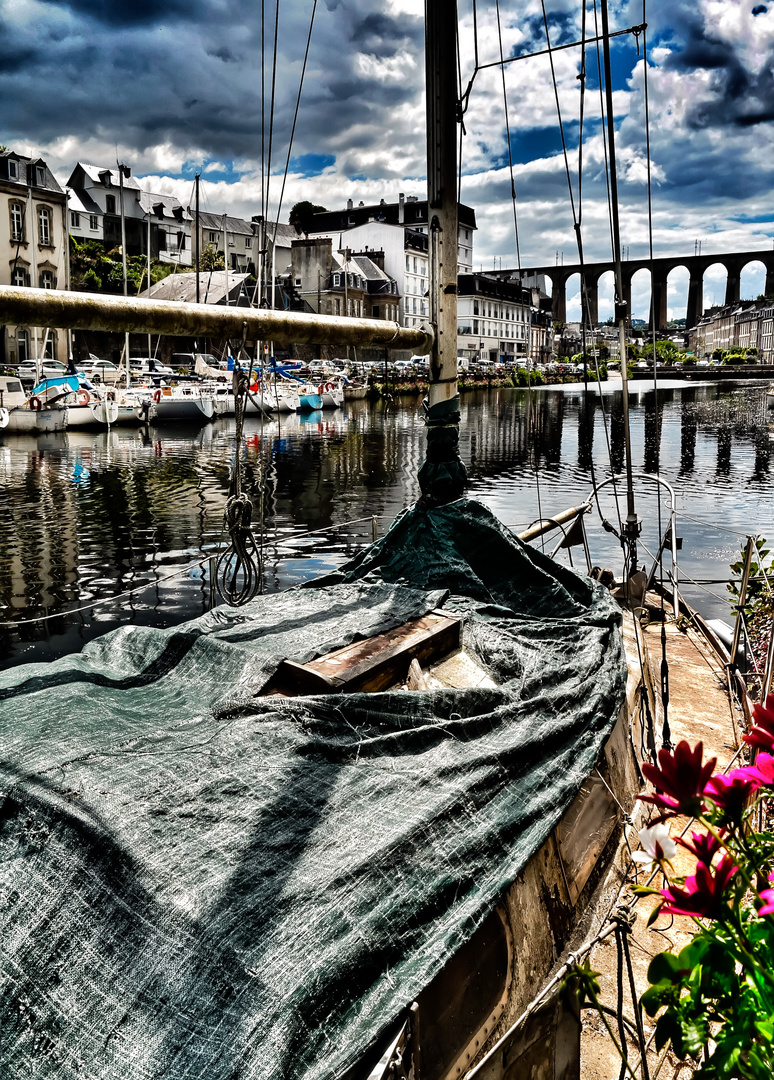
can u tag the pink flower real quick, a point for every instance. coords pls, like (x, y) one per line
(762, 770)
(702, 896)
(705, 847)
(762, 732)
(732, 793)
(681, 777)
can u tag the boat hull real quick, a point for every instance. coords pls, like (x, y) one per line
(28, 422)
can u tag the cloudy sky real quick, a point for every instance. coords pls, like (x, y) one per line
(183, 86)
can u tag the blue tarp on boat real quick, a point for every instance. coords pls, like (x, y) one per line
(196, 881)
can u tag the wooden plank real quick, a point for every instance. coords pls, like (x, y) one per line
(371, 664)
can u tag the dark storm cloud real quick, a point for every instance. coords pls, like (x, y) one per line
(740, 96)
(120, 13)
(139, 73)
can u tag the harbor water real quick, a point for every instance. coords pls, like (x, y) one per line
(107, 528)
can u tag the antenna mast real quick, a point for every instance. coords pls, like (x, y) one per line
(442, 476)
(631, 529)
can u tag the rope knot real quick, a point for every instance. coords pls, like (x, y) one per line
(624, 918)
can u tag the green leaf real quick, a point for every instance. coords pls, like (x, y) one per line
(656, 996)
(667, 967)
(766, 1028)
(668, 1028)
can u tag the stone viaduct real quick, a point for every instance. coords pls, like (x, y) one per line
(734, 262)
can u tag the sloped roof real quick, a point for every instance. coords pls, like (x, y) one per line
(50, 182)
(81, 202)
(182, 287)
(149, 200)
(93, 173)
(233, 224)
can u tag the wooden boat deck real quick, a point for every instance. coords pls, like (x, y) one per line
(699, 709)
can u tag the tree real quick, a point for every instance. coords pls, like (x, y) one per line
(301, 216)
(211, 259)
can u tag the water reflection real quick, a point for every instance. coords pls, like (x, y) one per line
(112, 518)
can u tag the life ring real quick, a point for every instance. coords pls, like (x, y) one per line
(36, 404)
(157, 396)
(321, 388)
(83, 397)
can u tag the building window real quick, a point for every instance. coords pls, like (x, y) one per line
(17, 222)
(93, 222)
(110, 204)
(248, 242)
(337, 281)
(13, 169)
(22, 346)
(338, 306)
(44, 223)
(375, 311)
(181, 241)
(49, 353)
(40, 175)
(75, 219)
(19, 278)
(213, 237)
(46, 279)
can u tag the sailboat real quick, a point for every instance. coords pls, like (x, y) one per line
(345, 831)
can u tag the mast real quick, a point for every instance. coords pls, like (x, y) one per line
(196, 182)
(123, 170)
(631, 529)
(442, 476)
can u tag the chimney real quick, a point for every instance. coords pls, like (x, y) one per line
(400, 208)
(349, 204)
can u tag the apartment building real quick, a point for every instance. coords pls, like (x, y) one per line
(400, 231)
(33, 249)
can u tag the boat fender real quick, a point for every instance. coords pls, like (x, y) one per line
(157, 396)
(83, 397)
(35, 404)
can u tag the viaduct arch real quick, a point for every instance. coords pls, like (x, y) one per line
(697, 265)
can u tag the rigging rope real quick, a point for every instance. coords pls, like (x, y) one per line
(293, 127)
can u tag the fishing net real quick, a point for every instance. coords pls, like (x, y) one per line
(199, 882)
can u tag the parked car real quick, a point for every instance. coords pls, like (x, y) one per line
(148, 365)
(102, 371)
(403, 367)
(45, 369)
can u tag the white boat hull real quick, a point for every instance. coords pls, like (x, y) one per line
(29, 422)
(185, 406)
(97, 412)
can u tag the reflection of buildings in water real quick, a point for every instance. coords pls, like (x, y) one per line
(617, 434)
(38, 530)
(724, 450)
(512, 429)
(689, 426)
(586, 420)
(653, 415)
(762, 444)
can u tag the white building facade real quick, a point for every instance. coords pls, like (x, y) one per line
(33, 250)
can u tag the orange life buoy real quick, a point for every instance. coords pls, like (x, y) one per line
(157, 396)
(36, 404)
(83, 397)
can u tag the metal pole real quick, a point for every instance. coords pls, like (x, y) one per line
(748, 553)
(632, 526)
(196, 184)
(96, 311)
(225, 253)
(123, 259)
(150, 352)
(442, 476)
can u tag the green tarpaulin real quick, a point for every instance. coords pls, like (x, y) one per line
(197, 882)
